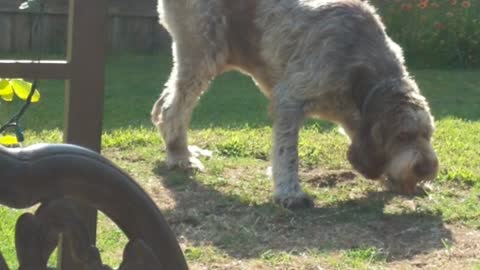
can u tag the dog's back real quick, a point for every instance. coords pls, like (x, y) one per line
(265, 37)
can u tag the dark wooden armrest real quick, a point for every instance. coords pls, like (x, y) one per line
(43, 173)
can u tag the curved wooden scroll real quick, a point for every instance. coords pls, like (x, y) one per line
(49, 173)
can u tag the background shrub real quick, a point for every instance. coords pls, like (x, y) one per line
(441, 33)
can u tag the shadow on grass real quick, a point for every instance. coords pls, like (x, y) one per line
(204, 215)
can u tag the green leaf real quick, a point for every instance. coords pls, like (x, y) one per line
(22, 89)
(8, 140)
(6, 90)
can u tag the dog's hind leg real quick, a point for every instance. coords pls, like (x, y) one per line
(192, 71)
(288, 116)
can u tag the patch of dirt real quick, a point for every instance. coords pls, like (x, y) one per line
(160, 195)
(238, 173)
(241, 233)
(462, 251)
(328, 178)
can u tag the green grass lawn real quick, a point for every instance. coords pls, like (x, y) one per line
(224, 218)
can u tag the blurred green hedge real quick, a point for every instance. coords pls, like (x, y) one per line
(441, 33)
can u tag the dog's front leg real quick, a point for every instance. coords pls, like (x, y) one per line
(287, 122)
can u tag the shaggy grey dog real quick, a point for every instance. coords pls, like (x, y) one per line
(329, 59)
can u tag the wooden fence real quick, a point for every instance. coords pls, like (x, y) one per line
(130, 29)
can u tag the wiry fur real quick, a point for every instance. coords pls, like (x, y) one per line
(317, 58)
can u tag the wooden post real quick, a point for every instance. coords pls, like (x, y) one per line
(85, 92)
(84, 72)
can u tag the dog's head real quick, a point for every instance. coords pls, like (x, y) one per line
(394, 138)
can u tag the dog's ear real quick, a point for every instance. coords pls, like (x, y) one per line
(361, 81)
(366, 154)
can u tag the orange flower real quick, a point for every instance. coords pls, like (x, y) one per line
(466, 4)
(406, 7)
(423, 4)
(453, 2)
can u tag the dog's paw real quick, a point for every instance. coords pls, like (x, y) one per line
(269, 172)
(299, 200)
(197, 152)
(190, 164)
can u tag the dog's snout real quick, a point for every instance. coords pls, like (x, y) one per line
(426, 168)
